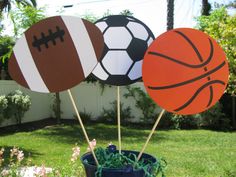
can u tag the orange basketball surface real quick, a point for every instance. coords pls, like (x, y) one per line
(185, 71)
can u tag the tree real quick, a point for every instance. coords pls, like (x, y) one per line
(7, 4)
(232, 4)
(170, 14)
(126, 12)
(24, 17)
(6, 43)
(206, 7)
(221, 27)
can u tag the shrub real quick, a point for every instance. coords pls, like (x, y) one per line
(18, 104)
(185, 121)
(215, 119)
(3, 106)
(85, 116)
(144, 103)
(110, 115)
(166, 121)
(175, 121)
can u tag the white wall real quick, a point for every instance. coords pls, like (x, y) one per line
(88, 97)
(40, 108)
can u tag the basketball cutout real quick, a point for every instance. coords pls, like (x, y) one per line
(56, 54)
(185, 71)
(126, 41)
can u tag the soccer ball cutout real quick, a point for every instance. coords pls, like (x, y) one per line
(126, 41)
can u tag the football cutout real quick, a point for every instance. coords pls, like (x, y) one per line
(126, 41)
(185, 71)
(56, 54)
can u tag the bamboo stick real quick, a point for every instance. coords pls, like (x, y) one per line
(82, 126)
(118, 118)
(151, 133)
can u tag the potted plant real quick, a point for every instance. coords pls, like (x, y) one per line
(124, 164)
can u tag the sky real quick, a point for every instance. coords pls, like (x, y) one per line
(151, 12)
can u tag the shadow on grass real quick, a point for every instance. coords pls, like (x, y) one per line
(28, 155)
(26, 127)
(72, 133)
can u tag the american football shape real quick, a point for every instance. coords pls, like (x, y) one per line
(56, 54)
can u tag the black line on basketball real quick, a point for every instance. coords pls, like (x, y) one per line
(186, 64)
(197, 92)
(189, 81)
(191, 43)
(211, 96)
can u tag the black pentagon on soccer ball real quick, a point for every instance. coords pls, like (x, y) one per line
(137, 49)
(117, 20)
(105, 50)
(118, 80)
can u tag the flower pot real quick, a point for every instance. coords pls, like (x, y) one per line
(90, 168)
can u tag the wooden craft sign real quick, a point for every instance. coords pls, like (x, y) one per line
(56, 54)
(185, 71)
(126, 41)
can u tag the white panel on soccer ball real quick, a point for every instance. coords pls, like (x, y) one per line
(138, 30)
(136, 71)
(100, 73)
(117, 38)
(130, 19)
(117, 62)
(102, 26)
(149, 41)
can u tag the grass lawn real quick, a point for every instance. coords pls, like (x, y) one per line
(193, 153)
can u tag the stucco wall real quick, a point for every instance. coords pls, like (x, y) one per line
(40, 108)
(88, 97)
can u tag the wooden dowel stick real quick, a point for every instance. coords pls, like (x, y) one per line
(82, 126)
(118, 118)
(151, 133)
